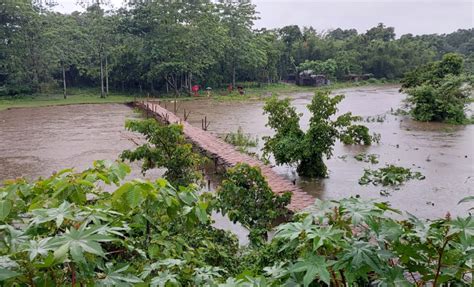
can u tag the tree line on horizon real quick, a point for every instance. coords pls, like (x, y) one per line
(170, 46)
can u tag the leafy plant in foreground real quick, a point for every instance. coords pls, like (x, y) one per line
(354, 243)
(245, 197)
(143, 232)
(166, 147)
(147, 233)
(389, 175)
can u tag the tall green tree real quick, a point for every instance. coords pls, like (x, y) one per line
(438, 91)
(307, 150)
(242, 51)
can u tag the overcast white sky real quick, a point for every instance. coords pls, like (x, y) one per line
(407, 16)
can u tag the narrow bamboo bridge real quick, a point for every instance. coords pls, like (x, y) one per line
(226, 155)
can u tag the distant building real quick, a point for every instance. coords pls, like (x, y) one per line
(357, 77)
(308, 78)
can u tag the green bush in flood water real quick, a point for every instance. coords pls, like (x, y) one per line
(245, 197)
(241, 140)
(372, 158)
(439, 91)
(290, 145)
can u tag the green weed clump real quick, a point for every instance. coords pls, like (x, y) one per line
(372, 158)
(390, 175)
(241, 140)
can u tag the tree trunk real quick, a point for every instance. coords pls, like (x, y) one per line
(233, 77)
(173, 83)
(64, 80)
(106, 78)
(190, 83)
(101, 78)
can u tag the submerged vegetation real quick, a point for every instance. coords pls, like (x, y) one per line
(290, 145)
(372, 158)
(147, 233)
(241, 140)
(390, 175)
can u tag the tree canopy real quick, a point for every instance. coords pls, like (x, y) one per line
(439, 91)
(291, 145)
(170, 46)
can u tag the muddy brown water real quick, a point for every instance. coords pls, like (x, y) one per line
(36, 142)
(443, 153)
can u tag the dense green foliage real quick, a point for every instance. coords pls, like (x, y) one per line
(166, 147)
(290, 145)
(158, 46)
(439, 91)
(141, 232)
(389, 175)
(245, 197)
(66, 230)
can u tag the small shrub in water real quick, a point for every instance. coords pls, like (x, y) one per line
(240, 139)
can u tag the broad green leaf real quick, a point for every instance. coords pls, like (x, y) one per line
(314, 267)
(60, 254)
(117, 276)
(6, 274)
(36, 248)
(5, 208)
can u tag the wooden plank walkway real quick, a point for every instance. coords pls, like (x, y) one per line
(229, 156)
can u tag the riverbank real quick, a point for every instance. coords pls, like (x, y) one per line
(91, 96)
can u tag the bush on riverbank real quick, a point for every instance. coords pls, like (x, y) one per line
(439, 91)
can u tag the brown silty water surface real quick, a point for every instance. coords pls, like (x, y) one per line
(443, 153)
(36, 142)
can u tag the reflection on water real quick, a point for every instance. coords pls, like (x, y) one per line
(36, 142)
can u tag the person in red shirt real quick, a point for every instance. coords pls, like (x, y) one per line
(195, 90)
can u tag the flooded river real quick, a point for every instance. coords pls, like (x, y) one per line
(36, 142)
(442, 153)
